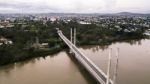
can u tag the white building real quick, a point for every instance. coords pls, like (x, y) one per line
(5, 41)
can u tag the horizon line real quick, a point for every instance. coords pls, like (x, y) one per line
(72, 13)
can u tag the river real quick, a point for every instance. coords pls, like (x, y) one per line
(134, 66)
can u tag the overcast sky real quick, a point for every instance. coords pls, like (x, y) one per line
(74, 6)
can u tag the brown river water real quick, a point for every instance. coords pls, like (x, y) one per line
(134, 66)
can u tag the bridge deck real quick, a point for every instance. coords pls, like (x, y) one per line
(97, 73)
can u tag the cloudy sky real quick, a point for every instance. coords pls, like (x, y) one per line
(74, 6)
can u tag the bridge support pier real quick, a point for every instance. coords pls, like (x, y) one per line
(73, 36)
(109, 66)
(116, 67)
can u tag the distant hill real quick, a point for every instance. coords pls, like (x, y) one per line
(78, 14)
(132, 14)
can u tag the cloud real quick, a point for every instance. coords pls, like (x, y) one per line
(77, 6)
(14, 5)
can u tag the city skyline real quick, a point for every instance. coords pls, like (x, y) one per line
(74, 6)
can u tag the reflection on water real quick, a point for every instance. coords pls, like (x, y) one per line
(133, 60)
(59, 69)
(96, 48)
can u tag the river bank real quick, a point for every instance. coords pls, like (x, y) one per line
(10, 55)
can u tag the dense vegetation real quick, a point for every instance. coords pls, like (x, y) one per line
(24, 37)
